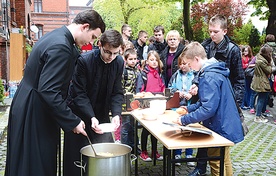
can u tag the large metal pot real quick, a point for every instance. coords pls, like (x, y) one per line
(118, 164)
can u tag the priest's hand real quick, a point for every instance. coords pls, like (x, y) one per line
(80, 129)
(95, 125)
(116, 121)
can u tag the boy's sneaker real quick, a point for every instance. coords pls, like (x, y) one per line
(177, 157)
(252, 111)
(245, 108)
(145, 157)
(260, 120)
(197, 172)
(158, 156)
(267, 114)
(192, 164)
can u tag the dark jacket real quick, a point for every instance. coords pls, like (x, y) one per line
(129, 79)
(164, 57)
(39, 108)
(260, 81)
(89, 97)
(216, 106)
(139, 50)
(86, 85)
(158, 47)
(232, 58)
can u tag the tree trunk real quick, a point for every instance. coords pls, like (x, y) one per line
(186, 20)
(271, 26)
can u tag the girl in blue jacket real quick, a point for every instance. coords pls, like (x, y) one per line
(181, 81)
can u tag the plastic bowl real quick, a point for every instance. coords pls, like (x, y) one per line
(148, 114)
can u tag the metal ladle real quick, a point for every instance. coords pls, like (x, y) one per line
(96, 155)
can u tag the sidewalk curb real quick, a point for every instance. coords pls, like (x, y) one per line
(4, 123)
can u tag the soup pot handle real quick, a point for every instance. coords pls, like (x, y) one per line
(81, 164)
(132, 158)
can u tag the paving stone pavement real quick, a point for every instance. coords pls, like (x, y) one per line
(255, 156)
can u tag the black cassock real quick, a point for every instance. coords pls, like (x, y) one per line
(96, 89)
(39, 108)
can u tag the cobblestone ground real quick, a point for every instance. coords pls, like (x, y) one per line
(256, 155)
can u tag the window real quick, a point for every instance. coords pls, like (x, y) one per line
(40, 32)
(37, 5)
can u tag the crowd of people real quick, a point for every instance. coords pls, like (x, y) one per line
(259, 78)
(63, 88)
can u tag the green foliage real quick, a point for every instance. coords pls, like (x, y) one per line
(241, 35)
(200, 33)
(261, 9)
(177, 25)
(2, 92)
(254, 37)
(232, 10)
(254, 40)
(28, 48)
(139, 14)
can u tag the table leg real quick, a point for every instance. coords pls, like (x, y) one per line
(165, 153)
(169, 163)
(221, 168)
(172, 164)
(135, 145)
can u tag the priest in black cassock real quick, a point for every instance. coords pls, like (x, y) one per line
(95, 90)
(39, 106)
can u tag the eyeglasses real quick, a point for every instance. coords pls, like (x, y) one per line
(110, 53)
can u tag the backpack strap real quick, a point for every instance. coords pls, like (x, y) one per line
(230, 46)
(125, 76)
(145, 79)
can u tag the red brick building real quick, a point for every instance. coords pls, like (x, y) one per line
(46, 15)
(13, 14)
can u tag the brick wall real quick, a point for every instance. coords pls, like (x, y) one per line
(55, 14)
(3, 61)
(54, 6)
(20, 13)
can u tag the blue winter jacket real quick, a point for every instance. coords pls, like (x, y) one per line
(216, 107)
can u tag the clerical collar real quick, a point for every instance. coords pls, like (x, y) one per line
(102, 59)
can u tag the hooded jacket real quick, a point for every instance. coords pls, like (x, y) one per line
(216, 107)
(260, 81)
(176, 84)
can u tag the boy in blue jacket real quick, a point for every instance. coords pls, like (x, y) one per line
(216, 107)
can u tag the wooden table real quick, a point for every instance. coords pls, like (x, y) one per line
(172, 138)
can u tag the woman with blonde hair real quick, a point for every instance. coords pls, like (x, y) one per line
(170, 54)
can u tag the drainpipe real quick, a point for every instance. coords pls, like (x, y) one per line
(7, 33)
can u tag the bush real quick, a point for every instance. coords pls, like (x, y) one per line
(2, 93)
